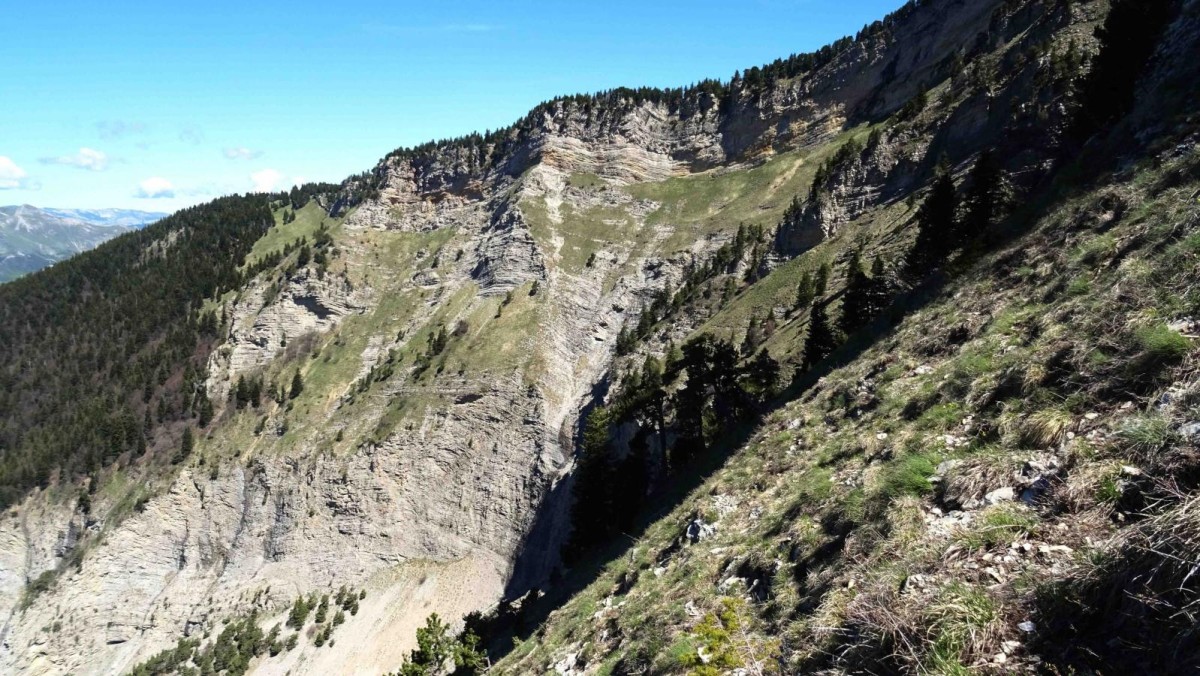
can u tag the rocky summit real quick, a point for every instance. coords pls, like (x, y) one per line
(879, 359)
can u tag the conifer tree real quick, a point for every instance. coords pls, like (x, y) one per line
(762, 375)
(297, 386)
(298, 614)
(727, 394)
(820, 342)
(1127, 41)
(205, 410)
(855, 302)
(241, 393)
(753, 336)
(982, 200)
(936, 223)
(879, 289)
(592, 506)
(806, 291)
(186, 445)
(692, 399)
(821, 283)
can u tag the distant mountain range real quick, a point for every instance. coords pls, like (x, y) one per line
(32, 238)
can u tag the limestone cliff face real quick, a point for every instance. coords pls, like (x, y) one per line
(441, 491)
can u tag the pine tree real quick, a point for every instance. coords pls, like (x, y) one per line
(1127, 41)
(437, 341)
(298, 614)
(186, 446)
(820, 342)
(982, 200)
(753, 336)
(591, 509)
(297, 386)
(254, 391)
(762, 375)
(652, 400)
(855, 302)
(936, 223)
(241, 393)
(821, 283)
(469, 658)
(806, 291)
(727, 394)
(879, 289)
(434, 645)
(205, 410)
(691, 400)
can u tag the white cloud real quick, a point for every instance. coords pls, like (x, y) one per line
(155, 187)
(13, 177)
(266, 180)
(242, 153)
(86, 158)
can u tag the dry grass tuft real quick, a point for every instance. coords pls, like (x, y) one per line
(1045, 429)
(974, 477)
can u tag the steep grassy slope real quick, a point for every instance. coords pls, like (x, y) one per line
(967, 493)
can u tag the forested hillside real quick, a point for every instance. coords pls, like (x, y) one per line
(104, 354)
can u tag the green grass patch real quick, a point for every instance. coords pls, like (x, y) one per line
(308, 221)
(1160, 343)
(908, 475)
(998, 526)
(941, 417)
(586, 181)
(957, 617)
(1146, 435)
(1095, 249)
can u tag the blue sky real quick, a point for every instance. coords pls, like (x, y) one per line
(148, 106)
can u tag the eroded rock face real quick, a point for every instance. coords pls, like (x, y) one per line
(285, 526)
(265, 317)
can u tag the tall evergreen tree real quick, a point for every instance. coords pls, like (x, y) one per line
(692, 398)
(297, 386)
(855, 301)
(982, 200)
(727, 396)
(820, 342)
(806, 291)
(879, 289)
(186, 445)
(591, 508)
(821, 283)
(753, 336)
(1127, 41)
(241, 393)
(205, 411)
(652, 403)
(937, 228)
(762, 375)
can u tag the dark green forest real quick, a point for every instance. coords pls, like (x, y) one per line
(103, 354)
